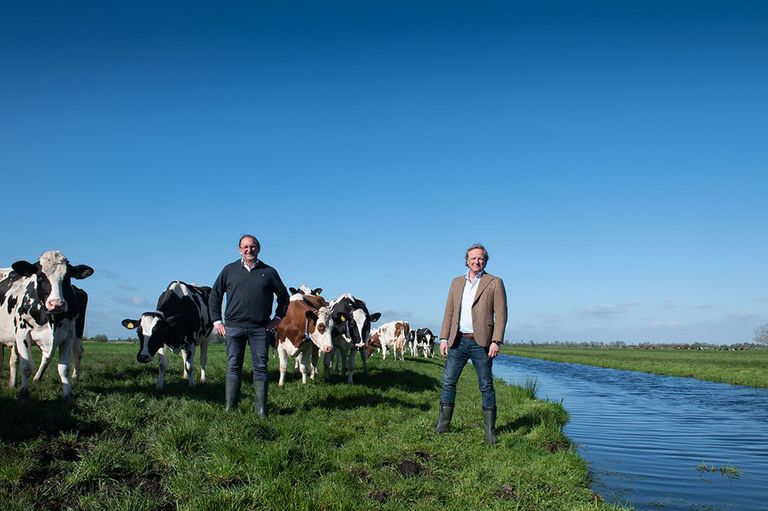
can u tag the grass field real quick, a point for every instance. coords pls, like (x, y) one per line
(749, 367)
(123, 446)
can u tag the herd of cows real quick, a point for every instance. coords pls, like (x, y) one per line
(40, 305)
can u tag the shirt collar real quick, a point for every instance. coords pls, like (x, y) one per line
(477, 277)
(255, 264)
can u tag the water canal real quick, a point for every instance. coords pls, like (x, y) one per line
(646, 437)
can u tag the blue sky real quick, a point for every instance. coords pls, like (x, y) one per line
(611, 155)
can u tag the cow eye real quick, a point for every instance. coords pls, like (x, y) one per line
(321, 328)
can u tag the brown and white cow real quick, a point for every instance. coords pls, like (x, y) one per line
(303, 332)
(392, 336)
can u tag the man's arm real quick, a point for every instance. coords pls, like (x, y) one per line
(445, 329)
(499, 312)
(214, 304)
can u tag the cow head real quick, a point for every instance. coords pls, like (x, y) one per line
(320, 326)
(52, 285)
(372, 344)
(153, 330)
(352, 319)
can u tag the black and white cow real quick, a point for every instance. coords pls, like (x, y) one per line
(38, 304)
(43, 338)
(351, 329)
(424, 340)
(181, 322)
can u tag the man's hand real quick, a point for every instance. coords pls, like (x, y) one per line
(273, 324)
(219, 327)
(444, 349)
(493, 350)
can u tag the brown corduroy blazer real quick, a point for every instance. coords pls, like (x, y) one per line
(489, 311)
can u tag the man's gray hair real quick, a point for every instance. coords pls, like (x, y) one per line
(473, 247)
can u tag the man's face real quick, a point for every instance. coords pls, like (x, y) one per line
(476, 260)
(249, 250)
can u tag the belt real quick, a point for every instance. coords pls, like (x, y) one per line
(468, 336)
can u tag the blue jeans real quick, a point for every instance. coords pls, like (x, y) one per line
(256, 338)
(462, 351)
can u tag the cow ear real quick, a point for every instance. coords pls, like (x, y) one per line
(24, 268)
(293, 290)
(374, 317)
(317, 290)
(130, 324)
(311, 314)
(81, 271)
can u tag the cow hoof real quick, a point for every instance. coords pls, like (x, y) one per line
(23, 395)
(281, 385)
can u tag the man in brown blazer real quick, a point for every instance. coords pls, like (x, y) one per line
(473, 329)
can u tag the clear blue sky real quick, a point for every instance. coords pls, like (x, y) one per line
(612, 155)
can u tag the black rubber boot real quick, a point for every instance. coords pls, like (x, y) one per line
(231, 393)
(260, 399)
(446, 414)
(489, 420)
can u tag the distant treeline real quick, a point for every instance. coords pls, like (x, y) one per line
(103, 338)
(645, 345)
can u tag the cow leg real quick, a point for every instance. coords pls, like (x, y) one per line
(351, 364)
(313, 362)
(65, 355)
(27, 367)
(383, 351)
(77, 353)
(327, 362)
(44, 363)
(303, 359)
(203, 358)
(162, 363)
(364, 358)
(12, 365)
(283, 355)
(188, 356)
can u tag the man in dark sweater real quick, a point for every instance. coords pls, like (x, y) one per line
(250, 286)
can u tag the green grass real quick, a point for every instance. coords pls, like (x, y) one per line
(748, 367)
(325, 446)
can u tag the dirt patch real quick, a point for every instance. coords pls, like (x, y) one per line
(379, 496)
(409, 468)
(507, 492)
(361, 474)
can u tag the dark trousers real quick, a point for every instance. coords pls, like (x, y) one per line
(461, 352)
(256, 337)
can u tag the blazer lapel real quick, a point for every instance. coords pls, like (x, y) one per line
(484, 282)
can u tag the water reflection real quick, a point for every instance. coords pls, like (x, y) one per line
(645, 435)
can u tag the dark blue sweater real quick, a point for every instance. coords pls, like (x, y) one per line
(249, 295)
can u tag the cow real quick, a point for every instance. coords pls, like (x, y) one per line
(303, 333)
(424, 340)
(38, 304)
(393, 335)
(351, 329)
(43, 338)
(181, 322)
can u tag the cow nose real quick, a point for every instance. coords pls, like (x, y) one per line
(56, 305)
(326, 349)
(143, 358)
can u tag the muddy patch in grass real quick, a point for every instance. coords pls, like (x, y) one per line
(507, 492)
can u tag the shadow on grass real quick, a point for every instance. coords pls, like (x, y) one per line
(24, 420)
(526, 423)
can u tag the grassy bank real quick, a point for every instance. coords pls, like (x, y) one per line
(122, 446)
(749, 367)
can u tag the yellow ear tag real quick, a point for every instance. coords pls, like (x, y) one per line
(343, 319)
(130, 325)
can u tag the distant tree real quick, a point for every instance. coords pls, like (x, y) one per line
(761, 334)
